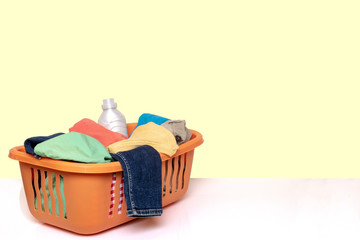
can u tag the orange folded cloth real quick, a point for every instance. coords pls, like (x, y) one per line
(89, 127)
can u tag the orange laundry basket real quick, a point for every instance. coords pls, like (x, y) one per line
(80, 197)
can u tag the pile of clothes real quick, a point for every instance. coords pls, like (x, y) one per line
(89, 142)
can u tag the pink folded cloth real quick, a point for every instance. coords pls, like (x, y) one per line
(92, 129)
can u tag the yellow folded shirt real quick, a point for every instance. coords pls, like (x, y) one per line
(149, 134)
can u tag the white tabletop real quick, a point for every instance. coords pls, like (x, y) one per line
(219, 208)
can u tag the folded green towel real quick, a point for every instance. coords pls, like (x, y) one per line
(74, 146)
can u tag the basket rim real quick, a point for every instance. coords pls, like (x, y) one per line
(18, 153)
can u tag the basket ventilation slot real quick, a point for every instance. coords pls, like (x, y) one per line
(48, 192)
(173, 174)
(113, 191)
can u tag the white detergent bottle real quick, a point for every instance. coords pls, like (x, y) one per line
(111, 118)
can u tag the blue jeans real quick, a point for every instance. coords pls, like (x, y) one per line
(142, 181)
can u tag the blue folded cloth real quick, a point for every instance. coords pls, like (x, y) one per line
(147, 117)
(142, 181)
(31, 143)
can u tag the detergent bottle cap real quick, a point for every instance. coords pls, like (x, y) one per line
(109, 103)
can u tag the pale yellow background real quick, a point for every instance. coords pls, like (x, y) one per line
(273, 86)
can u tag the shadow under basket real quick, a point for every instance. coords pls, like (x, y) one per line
(89, 198)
